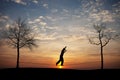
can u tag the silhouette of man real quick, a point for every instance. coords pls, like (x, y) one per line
(61, 56)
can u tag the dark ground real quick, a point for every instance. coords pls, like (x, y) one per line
(58, 74)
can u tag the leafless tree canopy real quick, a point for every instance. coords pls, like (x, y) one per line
(103, 35)
(20, 35)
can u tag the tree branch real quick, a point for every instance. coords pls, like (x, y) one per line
(106, 42)
(92, 42)
(12, 40)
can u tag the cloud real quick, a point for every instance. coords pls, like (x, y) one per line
(65, 10)
(76, 16)
(35, 1)
(51, 18)
(96, 11)
(20, 2)
(3, 23)
(80, 30)
(116, 4)
(110, 30)
(41, 17)
(44, 36)
(37, 20)
(52, 27)
(55, 36)
(116, 10)
(30, 22)
(3, 18)
(54, 10)
(45, 5)
(70, 38)
(103, 16)
(106, 54)
(43, 23)
(40, 23)
(89, 5)
(93, 55)
(7, 26)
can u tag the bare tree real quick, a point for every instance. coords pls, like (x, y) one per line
(102, 38)
(20, 35)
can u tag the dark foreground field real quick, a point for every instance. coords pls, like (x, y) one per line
(58, 74)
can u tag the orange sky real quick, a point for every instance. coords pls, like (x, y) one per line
(78, 56)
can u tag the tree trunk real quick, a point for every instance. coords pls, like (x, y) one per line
(101, 57)
(101, 50)
(18, 51)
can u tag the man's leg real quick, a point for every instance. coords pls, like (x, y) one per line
(62, 61)
(57, 62)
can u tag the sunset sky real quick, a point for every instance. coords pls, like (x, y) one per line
(60, 23)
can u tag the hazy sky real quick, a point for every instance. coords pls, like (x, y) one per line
(59, 23)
